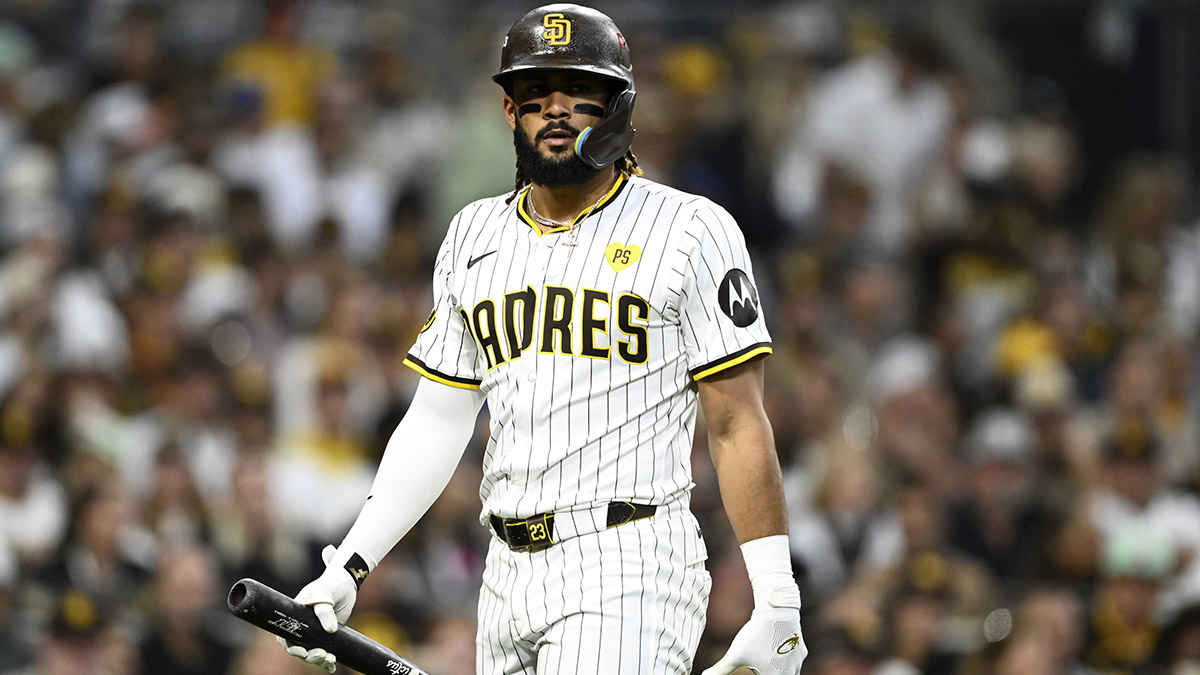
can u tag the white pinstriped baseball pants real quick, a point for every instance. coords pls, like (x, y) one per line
(626, 600)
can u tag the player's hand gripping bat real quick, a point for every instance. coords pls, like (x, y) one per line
(255, 602)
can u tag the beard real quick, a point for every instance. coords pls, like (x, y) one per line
(565, 168)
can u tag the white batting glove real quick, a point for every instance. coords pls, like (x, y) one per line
(771, 642)
(332, 597)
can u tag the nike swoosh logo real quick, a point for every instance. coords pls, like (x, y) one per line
(472, 261)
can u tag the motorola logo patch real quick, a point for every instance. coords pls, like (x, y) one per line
(737, 298)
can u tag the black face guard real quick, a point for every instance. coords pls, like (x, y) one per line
(601, 145)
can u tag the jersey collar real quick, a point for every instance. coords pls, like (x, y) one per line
(523, 208)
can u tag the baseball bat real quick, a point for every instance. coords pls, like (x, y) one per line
(257, 603)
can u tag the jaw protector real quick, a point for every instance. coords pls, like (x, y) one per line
(606, 142)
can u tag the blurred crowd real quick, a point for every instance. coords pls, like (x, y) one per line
(976, 242)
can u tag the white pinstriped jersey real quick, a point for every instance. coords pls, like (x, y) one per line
(587, 340)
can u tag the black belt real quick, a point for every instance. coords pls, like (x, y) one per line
(537, 532)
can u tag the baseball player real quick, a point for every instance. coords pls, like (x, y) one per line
(593, 310)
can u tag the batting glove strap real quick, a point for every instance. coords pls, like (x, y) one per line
(770, 643)
(358, 569)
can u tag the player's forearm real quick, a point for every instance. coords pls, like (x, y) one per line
(749, 478)
(752, 489)
(421, 456)
(743, 451)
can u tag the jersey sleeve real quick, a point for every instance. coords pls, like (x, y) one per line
(444, 350)
(720, 313)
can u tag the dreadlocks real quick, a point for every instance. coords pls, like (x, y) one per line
(628, 164)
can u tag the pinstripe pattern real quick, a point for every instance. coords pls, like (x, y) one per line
(596, 407)
(627, 600)
(559, 424)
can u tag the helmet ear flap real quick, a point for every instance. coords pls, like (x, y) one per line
(602, 144)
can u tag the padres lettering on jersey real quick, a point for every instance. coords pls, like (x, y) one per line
(587, 339)
(565, 321)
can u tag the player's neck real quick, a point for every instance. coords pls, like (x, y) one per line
(565, 203)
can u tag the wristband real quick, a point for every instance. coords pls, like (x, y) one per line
(769, 566)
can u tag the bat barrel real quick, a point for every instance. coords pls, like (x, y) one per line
(260, 605)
